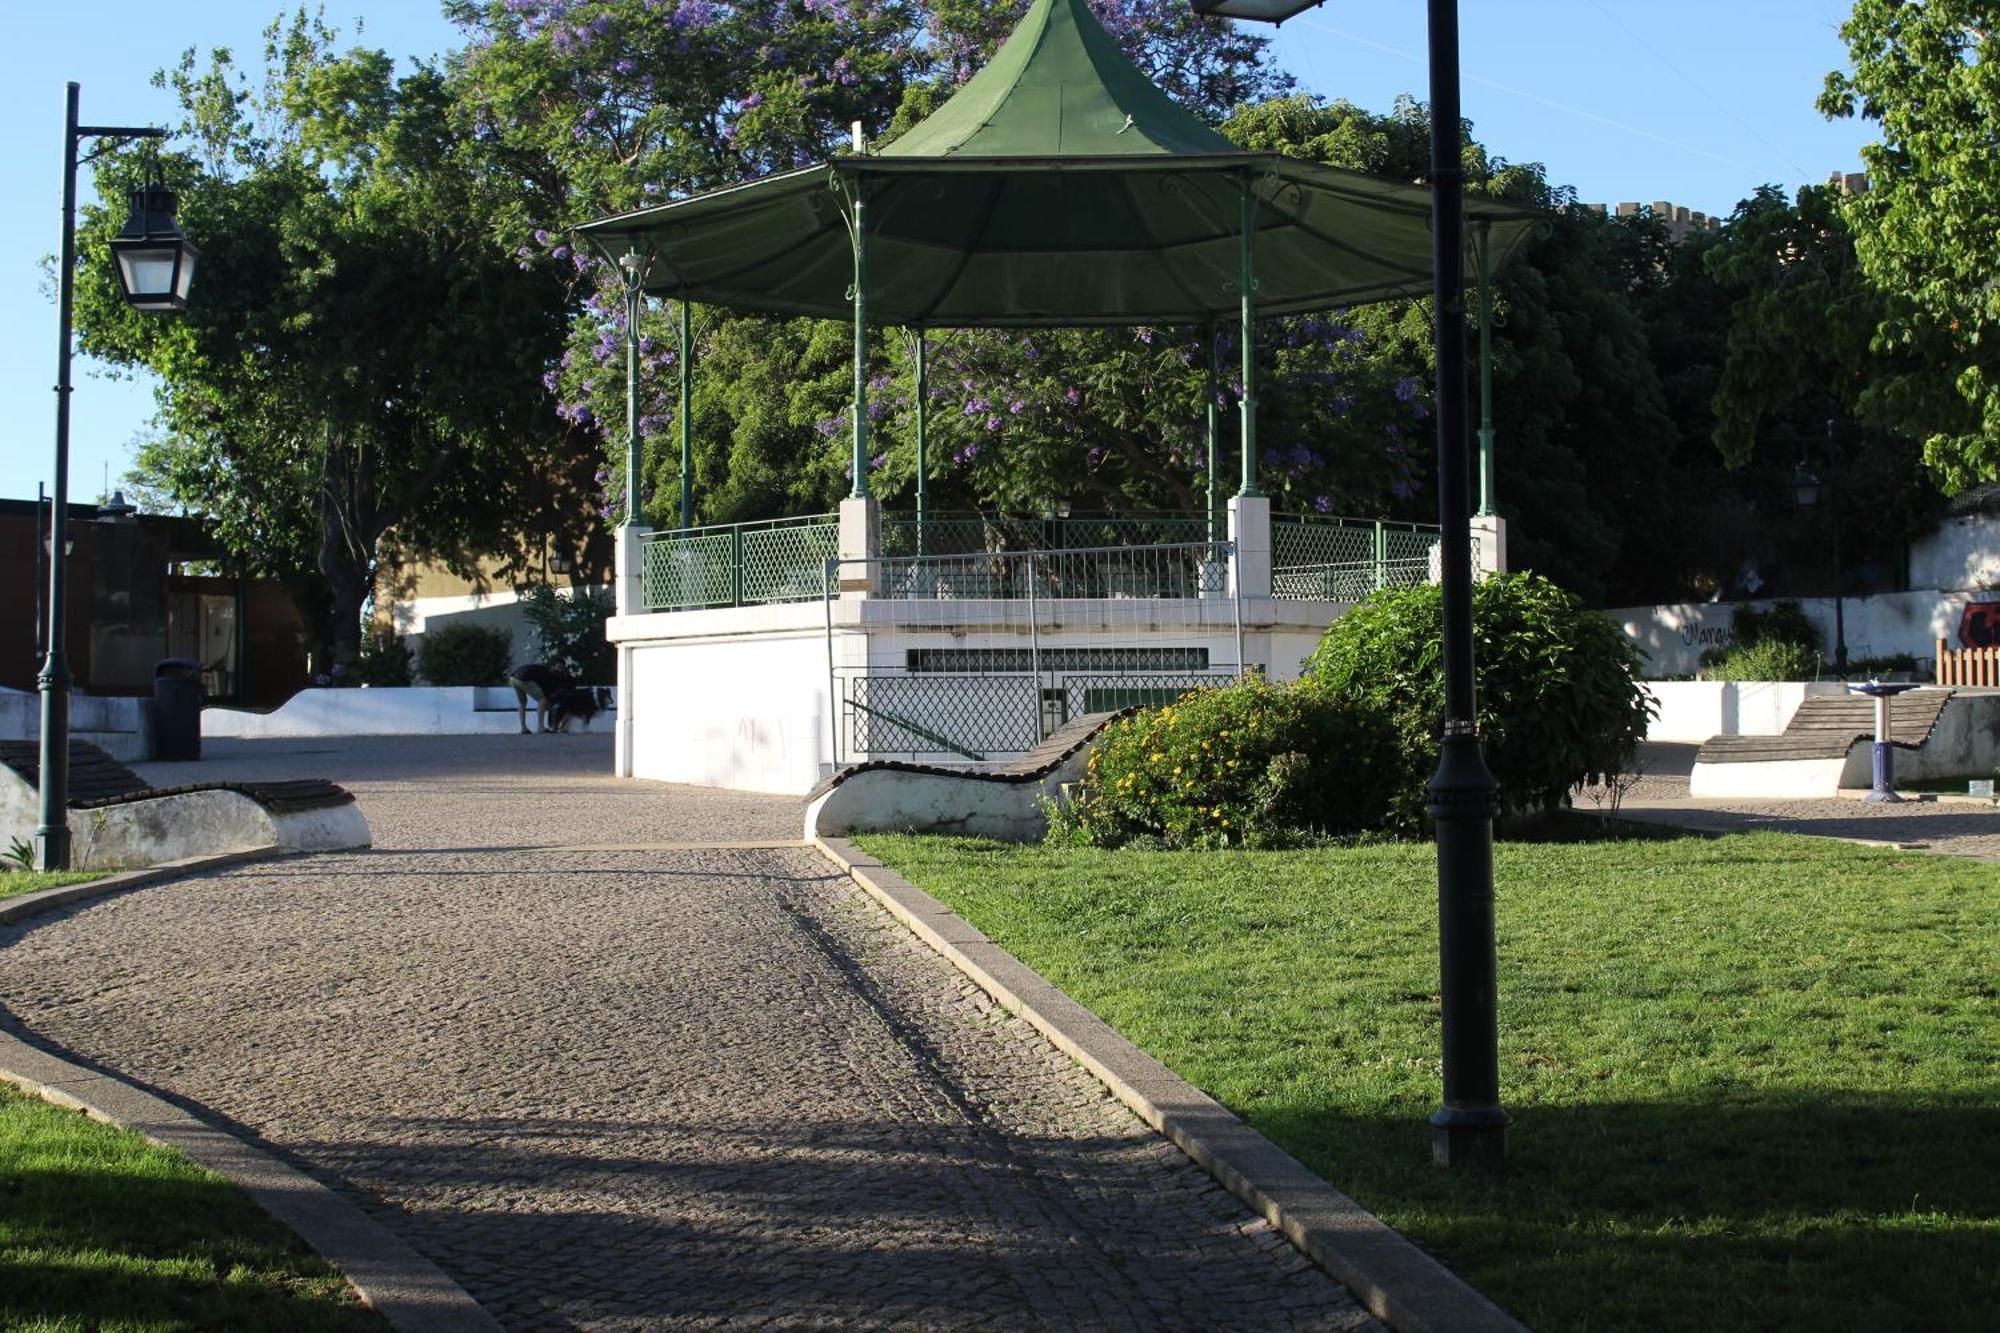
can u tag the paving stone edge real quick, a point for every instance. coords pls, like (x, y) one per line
(1395, 1280)
(413, 1294)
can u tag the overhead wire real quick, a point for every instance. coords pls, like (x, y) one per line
(1523, 93)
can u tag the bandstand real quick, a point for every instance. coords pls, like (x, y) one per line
(1057, 187)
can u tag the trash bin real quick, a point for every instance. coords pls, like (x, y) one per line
(177, 709)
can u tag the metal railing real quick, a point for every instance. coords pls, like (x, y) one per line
(961, 532)
(739, 564)
(982, 716)
(981, 681)
(1191, 570)
(1345, 559)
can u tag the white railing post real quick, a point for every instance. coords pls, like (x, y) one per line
(628, 591)
(1489, 544)
(860, 545)
(1250, 530)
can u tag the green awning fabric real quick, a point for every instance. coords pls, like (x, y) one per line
(1058, 187)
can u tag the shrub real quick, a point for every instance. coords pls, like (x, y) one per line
(384, 660)
(464, 655)
(1785, 623)
(1560, 701)
(1248, 764)
(1765, 659)
(570, 631)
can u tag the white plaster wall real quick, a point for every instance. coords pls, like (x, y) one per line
(1962, 555)
(1694, 710)
(738, 697)
(746, 713)
(1674, 637)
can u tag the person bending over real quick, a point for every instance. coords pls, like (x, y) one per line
(540, 681)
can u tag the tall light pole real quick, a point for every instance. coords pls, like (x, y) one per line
(1470, 1128)
(155, 266)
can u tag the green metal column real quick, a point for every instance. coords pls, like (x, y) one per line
(1213, 424)
(860, 491)
(687, 420)
(923, 450)
(1247, 281)
(635, 273)
(1485, 371)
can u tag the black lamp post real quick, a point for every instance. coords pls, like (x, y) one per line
(1806, 490)
(155, 266)
(1470, 1127)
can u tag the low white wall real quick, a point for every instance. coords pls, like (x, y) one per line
(121, 727)
(1673, 638)
(418, 710)
(1694, 710)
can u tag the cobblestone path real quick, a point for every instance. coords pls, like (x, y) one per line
(630, 1089)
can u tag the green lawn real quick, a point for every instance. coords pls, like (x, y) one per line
(100, 1230)
(1753, 1078)
(14, 883)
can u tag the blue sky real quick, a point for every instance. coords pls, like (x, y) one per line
(1696, 102)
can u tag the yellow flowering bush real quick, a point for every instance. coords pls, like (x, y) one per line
(1247, 764)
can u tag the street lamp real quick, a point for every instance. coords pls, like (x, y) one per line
(155, 265)
(155, 262)
(1806, 489)
(1470, 1128)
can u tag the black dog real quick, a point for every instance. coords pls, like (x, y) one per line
(579, 701)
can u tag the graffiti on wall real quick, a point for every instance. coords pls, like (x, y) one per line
(1979, 626)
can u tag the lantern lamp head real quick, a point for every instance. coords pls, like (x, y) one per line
(155, 262)
(1805, 487)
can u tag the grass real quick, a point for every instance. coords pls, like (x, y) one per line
(1753, 1078)
(14, 883)
(100, 1230)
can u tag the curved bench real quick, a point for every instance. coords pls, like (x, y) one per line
(987, 800)
(1943, 733)
(117, 818)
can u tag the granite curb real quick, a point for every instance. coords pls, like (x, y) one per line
(1393, 1279)
(413, 1294)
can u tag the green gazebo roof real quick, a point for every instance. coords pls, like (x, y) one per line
(1058, 186)
(1059, 87)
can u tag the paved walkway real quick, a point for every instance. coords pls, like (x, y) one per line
(629, 1089)
(1950, 828)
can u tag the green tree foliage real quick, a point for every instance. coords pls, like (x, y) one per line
(570, 631)
(1559, 696)
(363, 355)
(464, 654)
(575, 92)
(1927, 230)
